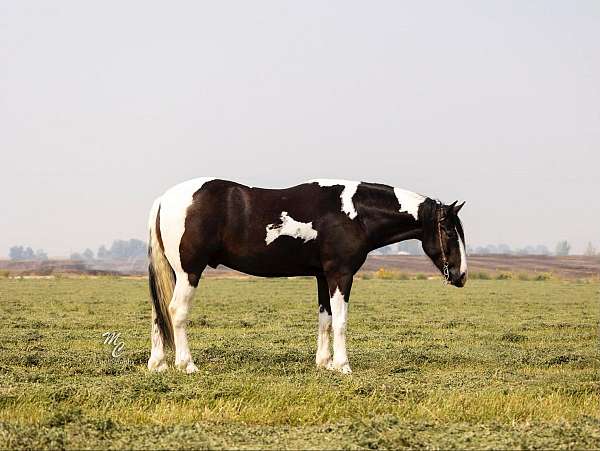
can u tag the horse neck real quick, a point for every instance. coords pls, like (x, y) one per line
(384, 224)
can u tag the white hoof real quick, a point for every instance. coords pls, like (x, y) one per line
(191, 368)
(343, 368)
(323, 361)
(186, 365)
(157, 365)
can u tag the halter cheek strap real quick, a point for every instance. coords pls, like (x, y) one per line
(446, 268)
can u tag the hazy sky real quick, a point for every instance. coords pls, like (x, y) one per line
(104, 105)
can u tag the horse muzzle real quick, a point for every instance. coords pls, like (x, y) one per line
(459, 281)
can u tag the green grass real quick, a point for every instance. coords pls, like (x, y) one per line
(502, 364)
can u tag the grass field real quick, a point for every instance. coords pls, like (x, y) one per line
(503, 364)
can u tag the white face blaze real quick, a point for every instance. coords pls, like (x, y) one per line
(348, 193)
(290, 227)
(409, 202)
(173, 210)
(463, 254)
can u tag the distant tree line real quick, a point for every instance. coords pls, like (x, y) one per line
(505, 249)
(26, 253)
(562, 248)
(119, 250)
(133, 248)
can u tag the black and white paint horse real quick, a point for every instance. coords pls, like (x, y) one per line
(322, 228)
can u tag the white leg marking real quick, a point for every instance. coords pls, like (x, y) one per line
(157, 355)
(179, 308)
(323, 353)
(339, 313)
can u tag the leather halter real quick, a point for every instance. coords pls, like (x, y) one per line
(445, 267)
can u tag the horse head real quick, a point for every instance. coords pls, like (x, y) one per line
(444, 241)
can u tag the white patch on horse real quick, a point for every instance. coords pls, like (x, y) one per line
(290, 227)
(339, 320)
(463, 255)
(348, 193)
(409, 202)
(173, 211)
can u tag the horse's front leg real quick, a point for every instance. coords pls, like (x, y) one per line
(323, 357)
(339, 291)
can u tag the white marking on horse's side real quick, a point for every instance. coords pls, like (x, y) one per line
(463, 254)
(290, 227)
(348, 193)
(339, 320)
(173, 211)
(409, 201)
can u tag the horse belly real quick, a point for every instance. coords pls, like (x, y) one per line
(284, 257)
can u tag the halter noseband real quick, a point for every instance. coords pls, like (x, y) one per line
(446, 268)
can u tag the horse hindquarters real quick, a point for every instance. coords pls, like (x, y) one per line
(176, 265)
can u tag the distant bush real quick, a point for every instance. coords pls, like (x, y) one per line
(365, 275)
(385, 274)
(4, 273)
(481, 275)
(523, 276)
(505, 276)
(543, 276)
(421, 276)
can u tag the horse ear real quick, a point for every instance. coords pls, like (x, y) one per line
(457, 208)
(448, 209)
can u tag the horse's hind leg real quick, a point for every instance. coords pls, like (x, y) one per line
(178, 309)
(157, 354)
